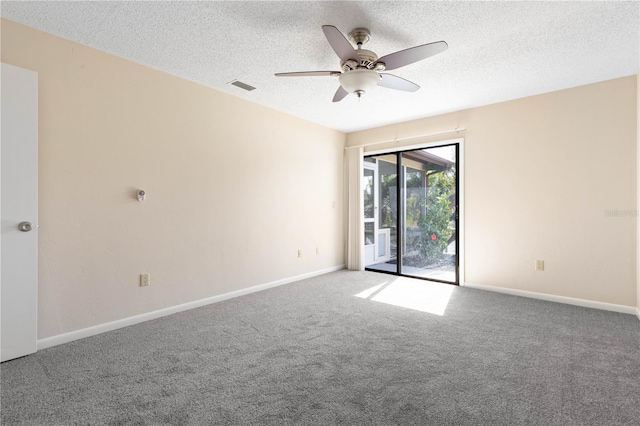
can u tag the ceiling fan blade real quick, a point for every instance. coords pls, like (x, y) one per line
(308, 74)
(340, 45)
(411, 55)
(340, 94)
(394, 82)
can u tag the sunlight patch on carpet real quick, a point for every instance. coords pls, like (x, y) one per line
(410, 293)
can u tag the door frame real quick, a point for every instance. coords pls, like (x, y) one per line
(460, 246)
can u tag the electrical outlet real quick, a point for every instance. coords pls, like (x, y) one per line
(317, 250)
(299, 253)
(539, 265)
(145, 280)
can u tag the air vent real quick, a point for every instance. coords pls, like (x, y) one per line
(241, 85)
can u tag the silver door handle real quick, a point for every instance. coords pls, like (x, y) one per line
(25, 226)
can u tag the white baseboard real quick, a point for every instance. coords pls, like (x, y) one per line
(638, 313)
(559, 299)
(125, 322)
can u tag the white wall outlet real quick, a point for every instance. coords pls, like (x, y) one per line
(317, 250)
(299, 253)
(145, 280)
(539, 265)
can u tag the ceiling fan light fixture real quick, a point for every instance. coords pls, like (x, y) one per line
(359, 81)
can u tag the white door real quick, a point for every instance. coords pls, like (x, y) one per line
(19, 204)
(370, 204)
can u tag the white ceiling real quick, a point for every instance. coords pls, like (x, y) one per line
(497, 50)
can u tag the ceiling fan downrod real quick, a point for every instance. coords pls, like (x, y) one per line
(360, 36)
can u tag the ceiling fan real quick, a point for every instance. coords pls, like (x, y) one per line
(361, 68)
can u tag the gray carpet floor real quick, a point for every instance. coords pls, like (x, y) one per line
(311, 353)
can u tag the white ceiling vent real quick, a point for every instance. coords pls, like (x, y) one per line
(241, 85)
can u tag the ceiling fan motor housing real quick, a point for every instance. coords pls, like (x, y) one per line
(367, 61)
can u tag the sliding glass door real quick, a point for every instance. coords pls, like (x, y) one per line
(416, 213)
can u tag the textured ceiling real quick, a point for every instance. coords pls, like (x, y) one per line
(497, 50)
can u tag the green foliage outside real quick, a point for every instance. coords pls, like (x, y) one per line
(429, 227)
(435, 224)
(387, 216)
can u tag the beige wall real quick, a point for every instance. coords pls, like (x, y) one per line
(638, 199)
(540, 172)
(234, 189)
